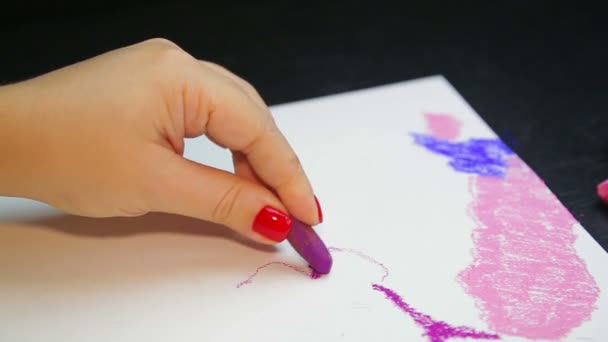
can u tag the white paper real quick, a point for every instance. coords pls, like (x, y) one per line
(167, 278)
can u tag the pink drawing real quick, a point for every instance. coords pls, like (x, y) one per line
(436, 331)
(443, 126)
(526, 276)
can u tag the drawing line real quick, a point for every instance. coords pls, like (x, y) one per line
(436, 331)
(312, 274)
(249, 279)
(364, 257)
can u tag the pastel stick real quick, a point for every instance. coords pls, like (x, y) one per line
(308, 244)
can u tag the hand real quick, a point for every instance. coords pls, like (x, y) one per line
(105, 137)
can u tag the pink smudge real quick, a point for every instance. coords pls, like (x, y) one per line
(311, 273)
(443, 126)
(526, 277)
(436, 331)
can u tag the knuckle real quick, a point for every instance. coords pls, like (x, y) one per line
(249, 87)
(293, 169)
(174, 57)
(294, 166)
(216, 65)
(270, 125)
(224, 209)
(164, 53)
(245, 85)
(263, 129)
(162, 42)
(132, 211)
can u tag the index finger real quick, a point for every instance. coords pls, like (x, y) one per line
(236, 121)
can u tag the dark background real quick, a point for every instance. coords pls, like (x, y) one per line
(535, 71)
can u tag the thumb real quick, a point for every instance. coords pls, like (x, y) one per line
(202, 192)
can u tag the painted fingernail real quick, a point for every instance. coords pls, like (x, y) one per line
(602, 190)
(319, 211)
(272, 223)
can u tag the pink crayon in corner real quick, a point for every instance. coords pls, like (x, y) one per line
(602, 190)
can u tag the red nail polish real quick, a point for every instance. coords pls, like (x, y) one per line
(319, 211)
(272, 223)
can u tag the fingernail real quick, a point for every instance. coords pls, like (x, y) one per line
(319, 211)
(602, 190)
(272, 223)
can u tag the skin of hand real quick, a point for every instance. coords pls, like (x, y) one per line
(105, 137)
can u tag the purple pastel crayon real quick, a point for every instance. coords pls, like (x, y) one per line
(308, 244)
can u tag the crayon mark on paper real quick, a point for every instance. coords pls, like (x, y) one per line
(364, 257)
(302, 270)
(309, 272)
(484, 157)
(436, 331)
(443, 126)
(526, 277)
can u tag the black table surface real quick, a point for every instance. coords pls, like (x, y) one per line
(535, 71)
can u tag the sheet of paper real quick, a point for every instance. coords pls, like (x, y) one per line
(436, 228)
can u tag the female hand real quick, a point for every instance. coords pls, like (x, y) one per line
(105, 137)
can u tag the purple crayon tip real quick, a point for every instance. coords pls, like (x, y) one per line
(308, 244)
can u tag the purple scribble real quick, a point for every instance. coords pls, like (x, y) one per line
(312, 273)
(485, 157)
(249, 279)
(436, 331)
